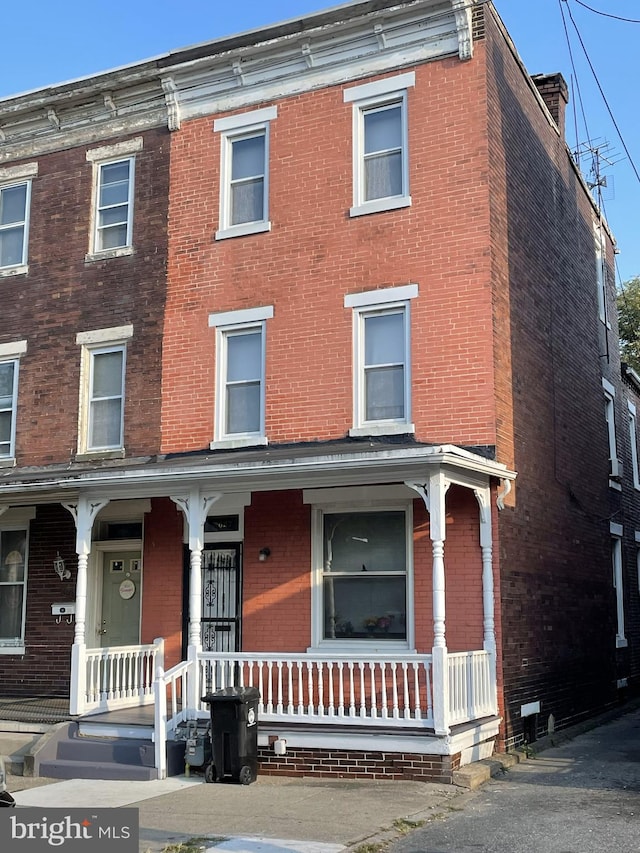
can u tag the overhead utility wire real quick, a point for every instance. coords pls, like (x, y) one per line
(577, 83)
(608, 14)
(604, 98)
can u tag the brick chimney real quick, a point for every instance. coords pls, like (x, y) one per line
(555, 94)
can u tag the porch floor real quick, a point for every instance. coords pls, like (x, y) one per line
(55, 709)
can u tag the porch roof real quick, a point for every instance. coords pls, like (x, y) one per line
(271, 468)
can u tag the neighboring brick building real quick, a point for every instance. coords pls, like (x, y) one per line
(370, 290)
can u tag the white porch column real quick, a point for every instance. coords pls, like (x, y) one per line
(483, 496)
(433, 493)
(84, 513)
(195, 507)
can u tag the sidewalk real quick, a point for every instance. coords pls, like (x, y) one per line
(273, 815)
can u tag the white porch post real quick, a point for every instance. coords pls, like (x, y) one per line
(438, 486)
(195, 507)
(433, 494)
(483, 496)
(84, 513)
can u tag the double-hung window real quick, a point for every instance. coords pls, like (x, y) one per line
(380, 144)
(362, 559)
(244, 172)
(601, 273)
(113, 192)
(382, 360)
(615, 467)
(633, 441)
(15, 203)
(14, 529)
(240, 376)
(9, 364)
(616, 560)
(102, 390)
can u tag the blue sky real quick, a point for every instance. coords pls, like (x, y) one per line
(52, 42)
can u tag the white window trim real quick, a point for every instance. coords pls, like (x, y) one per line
(232, 128)
(633, 439)
(364, 304)
(20, 175)
(616, 531)
(19, 519)
(104, 156)
(318, 642)
(237, 321)
(615, 468)
(369, 96)
(95, 342)
(11, 352)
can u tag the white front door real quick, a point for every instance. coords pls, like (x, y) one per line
(121, 596)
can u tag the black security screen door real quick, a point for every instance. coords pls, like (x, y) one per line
(221, 591)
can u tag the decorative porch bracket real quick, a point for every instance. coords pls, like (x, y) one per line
(195, 506)
(84, 513)
(3, 508)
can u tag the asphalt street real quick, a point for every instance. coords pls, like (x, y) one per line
(580, 797)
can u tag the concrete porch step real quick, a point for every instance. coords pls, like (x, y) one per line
(61, 768)
(65, 754)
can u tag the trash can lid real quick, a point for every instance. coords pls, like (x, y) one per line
(232, 694)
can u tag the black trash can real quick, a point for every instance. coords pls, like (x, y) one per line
(234, 735)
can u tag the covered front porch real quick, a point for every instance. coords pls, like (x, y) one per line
(339, 692)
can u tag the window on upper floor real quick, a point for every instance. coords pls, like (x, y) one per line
(380, 144)
(240, 376)
(14, 536)
(15, 205)
(113, 197)
(601, 273)
(362, 558)
(9, 366)
(616, 561)
(114, 205)
(102, 390)
(633, 441)
(382, 360)
(244, 172)
(615, 466)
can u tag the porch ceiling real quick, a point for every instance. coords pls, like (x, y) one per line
(273, 468)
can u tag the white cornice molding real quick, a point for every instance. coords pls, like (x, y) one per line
(337, 46)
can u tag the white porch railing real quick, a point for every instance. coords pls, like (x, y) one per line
(118, 677)
(375, 690)
(170, 708)
(472, 689)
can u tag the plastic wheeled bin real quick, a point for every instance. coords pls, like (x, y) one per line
(234, 735)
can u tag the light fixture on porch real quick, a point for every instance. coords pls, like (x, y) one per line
(59, 568)
(263, 554)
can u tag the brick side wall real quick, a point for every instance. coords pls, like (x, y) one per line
(555, 563)
(62, 294)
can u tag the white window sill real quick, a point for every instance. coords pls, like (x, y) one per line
(380, 204)
(7, 462)
(21, 269)
(121, 252)
(244, 441)
(382, 429)
(12, 650)
(621, 642)
(360, 648)
(90, 455)
(614, 484)
(243, 230)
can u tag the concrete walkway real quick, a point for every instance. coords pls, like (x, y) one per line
(273, 815)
